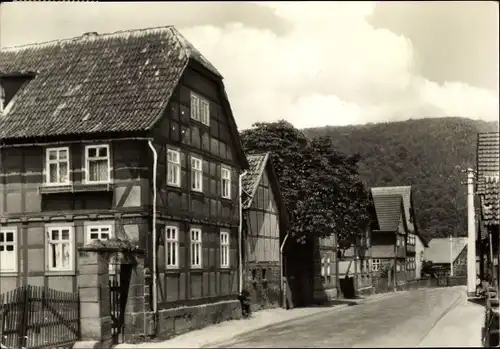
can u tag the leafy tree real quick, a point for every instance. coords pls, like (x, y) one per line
(348, 193)
(320, 186)
(425, 153)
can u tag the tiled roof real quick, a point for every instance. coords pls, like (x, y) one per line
(250, 182)
(389, 209)
(439, 249)
(488, 154)
(490, 206)
(405, 192)
(488, 187)
(95, 83)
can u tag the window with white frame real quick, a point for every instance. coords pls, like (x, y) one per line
(375, 264)
(57, 166)
(196, 251)
(172, 247)
(224, 249)
(323, 270)
(173, 167)
(97, 164)
(60, 254)
(328, 267)
(8, 250)
(200, 109)
(196, 174)
(99, 232)
(398, 266)
(397, 240)
(226, 182)
(204, 112)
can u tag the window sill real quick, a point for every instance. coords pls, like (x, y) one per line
(226, 199)
(92, 187)
(60, 273)
(55, 188)
(197, 193)
(174, 185)
(172, 270)
(8, 273)
(199, 122)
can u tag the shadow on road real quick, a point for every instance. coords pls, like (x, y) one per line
(479, 301)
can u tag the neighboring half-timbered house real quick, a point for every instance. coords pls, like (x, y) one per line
(86, 127)
(412, 262)
(389, 241)
(488, 191)
(265, 225)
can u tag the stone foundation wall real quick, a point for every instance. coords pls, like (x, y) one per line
(262, 280)
(173, 322)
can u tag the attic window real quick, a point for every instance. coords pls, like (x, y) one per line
(10, 84)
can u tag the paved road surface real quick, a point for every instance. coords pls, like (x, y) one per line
(400, 321)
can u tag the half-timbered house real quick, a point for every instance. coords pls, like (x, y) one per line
(389, 241)
(412, 262)
(265, 226)
(127, 135)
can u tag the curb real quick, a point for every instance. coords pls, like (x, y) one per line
(443, 314)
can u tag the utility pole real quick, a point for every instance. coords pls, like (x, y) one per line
(451, 255)
(471, 230)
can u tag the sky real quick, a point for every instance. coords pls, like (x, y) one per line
(311, 63)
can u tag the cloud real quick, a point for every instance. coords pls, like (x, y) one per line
(331, 68)
(311, 63)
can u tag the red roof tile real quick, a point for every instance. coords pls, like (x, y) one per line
(95, 83)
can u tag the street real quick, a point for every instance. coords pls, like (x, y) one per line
(403, 320)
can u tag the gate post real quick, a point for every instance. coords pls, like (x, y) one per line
(139, 319)
(95, 312)
(23, 331)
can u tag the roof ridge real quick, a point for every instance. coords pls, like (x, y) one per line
(84, 36)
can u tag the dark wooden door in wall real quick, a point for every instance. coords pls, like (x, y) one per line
(119, 280)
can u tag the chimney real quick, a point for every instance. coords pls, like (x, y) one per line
(90, 35)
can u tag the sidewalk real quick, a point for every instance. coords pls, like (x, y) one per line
(461, 327)
(225, 331)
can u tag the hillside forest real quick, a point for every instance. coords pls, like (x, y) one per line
(429, 154)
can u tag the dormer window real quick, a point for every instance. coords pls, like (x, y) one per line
(10, 84)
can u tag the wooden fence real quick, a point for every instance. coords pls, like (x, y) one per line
(35, 317)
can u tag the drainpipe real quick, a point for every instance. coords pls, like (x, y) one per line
(240, 234)
(155, 168)
(282, 281)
